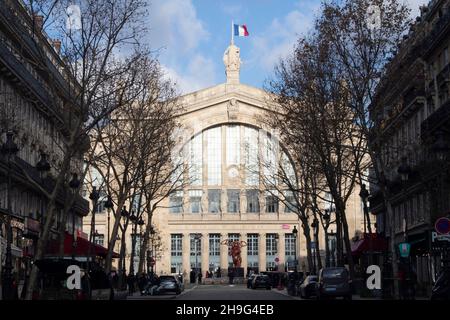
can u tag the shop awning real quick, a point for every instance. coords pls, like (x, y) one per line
(370, 243)
(81, 249)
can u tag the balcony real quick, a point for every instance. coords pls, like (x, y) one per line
(440, 28)
(439, 118)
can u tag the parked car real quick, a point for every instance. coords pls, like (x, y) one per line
(168, 284)
(261, 281)
(250, 280)
(307, 288)
(334, 282)
(441, 289)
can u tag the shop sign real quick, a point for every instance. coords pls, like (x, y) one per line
(404, 249)
(18, 225)
(437, 238)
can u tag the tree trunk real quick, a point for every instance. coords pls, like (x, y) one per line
(317, 251)
(306, 233)
(327, 249)
(113, 238)
(43, 239)
(348, 248)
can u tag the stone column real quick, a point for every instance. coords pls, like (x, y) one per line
(223, 254)
(244, 250)
(186, 244)
(205, 253)
(243, 201)
(262, 252)
(281, 251)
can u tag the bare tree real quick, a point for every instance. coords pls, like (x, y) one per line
(364, 42)
(314, 103)
(86, 81)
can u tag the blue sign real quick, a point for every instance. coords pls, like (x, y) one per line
(404, 249)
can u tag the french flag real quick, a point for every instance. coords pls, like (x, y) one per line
(240, 30)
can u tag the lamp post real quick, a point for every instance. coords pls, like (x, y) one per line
(74, 184)
(315, 226)
(134, 220)
(109, 206)
(295, 232)
(152, 235)
(197, 238)
(364, 194)
(10, 149)
(94, 197)
(125, 214)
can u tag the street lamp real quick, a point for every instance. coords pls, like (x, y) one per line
(10, 149)
(364, 194)
(74, 184)
(94, 195)
(109, 206)
(294, 232)
(197, 238)
(326, 217)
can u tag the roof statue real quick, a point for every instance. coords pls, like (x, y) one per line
(232, 63)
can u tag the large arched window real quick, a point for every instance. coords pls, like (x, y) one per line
(229, 162)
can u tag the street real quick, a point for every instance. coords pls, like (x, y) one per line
(220, 292)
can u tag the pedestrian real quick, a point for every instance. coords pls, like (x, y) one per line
(130, 282)
(199, 278)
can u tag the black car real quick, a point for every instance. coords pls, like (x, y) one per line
(307, 288)
(334, 282)
(168, 284)
(441, 289)
(261, 281)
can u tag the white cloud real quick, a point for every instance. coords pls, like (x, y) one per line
(198, 74)
(174, 25)
(278, 40)
(231, 9)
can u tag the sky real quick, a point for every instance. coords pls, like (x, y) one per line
(189, 37)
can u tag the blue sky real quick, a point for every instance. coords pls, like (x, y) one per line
(190, 36)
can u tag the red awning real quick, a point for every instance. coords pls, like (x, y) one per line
(81, 249)
(370, 243)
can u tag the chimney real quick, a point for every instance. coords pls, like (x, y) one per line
(38, 22)
(57, 45)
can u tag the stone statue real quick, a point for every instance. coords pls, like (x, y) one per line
(232, 63)
(231, 58)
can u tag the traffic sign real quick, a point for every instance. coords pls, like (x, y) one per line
(313, 245)
(404, 249)
(277, 259)
(152, 261)
(442, 225)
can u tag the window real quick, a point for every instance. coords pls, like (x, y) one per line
(289, 244)
(176, 202)
(214, 151)
(252, 201)
(252, 244)
(137, 249)
(271, 266)
(176, 248)
(271, 244)
(214, 244)
(233, 145)
(196, 243)
(196, 160)
(290, 202)
(233, 201)
(195, 200)
(271, 203)
(136, 202)
(99, 239)
(214, 201)
(251, 156)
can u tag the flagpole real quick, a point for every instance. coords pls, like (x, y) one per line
(232, 32)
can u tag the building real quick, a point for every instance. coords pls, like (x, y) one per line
(221, 137)
(412, 109)
(28, 112)
(225, 199)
